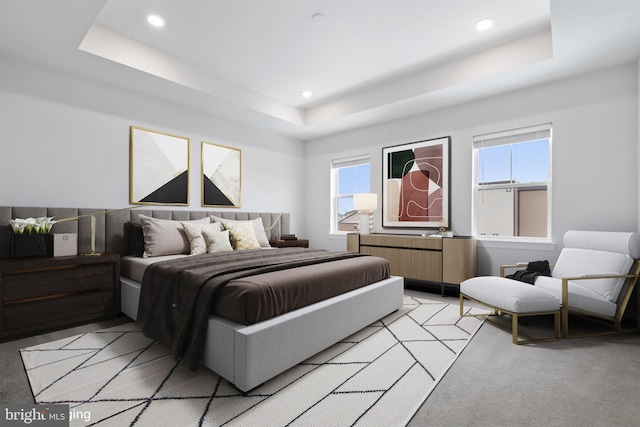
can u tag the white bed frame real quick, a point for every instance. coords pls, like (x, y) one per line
(247, 356)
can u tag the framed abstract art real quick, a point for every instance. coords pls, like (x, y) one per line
(221, 176)
(158, 168)
(415, 184)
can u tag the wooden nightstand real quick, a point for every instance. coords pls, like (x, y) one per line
(299, 243)
(43, 294)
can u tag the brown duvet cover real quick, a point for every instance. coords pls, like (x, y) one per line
(178, 296)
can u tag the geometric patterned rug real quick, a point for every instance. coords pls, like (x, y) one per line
(377, 377)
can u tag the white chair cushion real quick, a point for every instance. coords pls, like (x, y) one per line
(575, 262)
(510, 295)
(580, 297)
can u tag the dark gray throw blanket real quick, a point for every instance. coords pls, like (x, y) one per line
(176, 295)
(533, 270)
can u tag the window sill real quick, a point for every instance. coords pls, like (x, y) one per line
(506, 243)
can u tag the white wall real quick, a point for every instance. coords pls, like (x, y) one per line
(595, 153)
(64, 142)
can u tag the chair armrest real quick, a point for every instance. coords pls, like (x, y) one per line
(516, 265)
(600, 276)
(505, 266)
(565, 282)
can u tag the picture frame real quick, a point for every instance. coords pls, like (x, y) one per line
(158, 168)
(416, 184)
(221, 176)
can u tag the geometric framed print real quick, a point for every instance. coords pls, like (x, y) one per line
(158, 168)
(415, 184)
(221, 176)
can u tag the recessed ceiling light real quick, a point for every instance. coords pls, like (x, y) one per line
(318, 18)
(155, 20)
(307, 93)
(484, 24)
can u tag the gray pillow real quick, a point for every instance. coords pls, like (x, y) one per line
(166, 237)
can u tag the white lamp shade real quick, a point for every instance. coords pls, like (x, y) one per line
(365, 202)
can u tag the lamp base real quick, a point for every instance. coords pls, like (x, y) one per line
(93, 254)
(364, 224)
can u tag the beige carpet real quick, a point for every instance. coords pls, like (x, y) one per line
(377, 377)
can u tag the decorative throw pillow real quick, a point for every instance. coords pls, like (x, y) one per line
(196, 239)
(165, 237)
(258, 228)
(217, 241)
(242, 235)
(136, 238)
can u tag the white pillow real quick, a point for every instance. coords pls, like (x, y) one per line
(242, 235)
(165, 237)
(196, 239)
(258, 228)
(217, 241)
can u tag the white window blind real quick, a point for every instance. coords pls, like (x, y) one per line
(349, 161)
(513, 136)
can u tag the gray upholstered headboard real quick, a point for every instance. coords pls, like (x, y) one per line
(110, 228)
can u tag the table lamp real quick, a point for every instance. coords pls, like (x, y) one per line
(365, 204)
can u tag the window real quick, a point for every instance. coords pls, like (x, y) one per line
(349, 176)
(512, 183)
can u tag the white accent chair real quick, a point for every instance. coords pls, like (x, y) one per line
(594, 276)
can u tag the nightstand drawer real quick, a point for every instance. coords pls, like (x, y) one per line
(32, 284)
(44, 294)
(45, 314)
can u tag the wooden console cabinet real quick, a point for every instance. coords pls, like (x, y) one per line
(43, 294)
(440, 260)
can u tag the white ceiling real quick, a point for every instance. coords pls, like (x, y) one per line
(369, 61)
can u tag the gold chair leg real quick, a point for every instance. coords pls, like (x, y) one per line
(514, 322)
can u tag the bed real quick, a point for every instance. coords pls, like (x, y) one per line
(248, 349)
(245, 355)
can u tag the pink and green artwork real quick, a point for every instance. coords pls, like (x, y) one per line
(415, 191)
